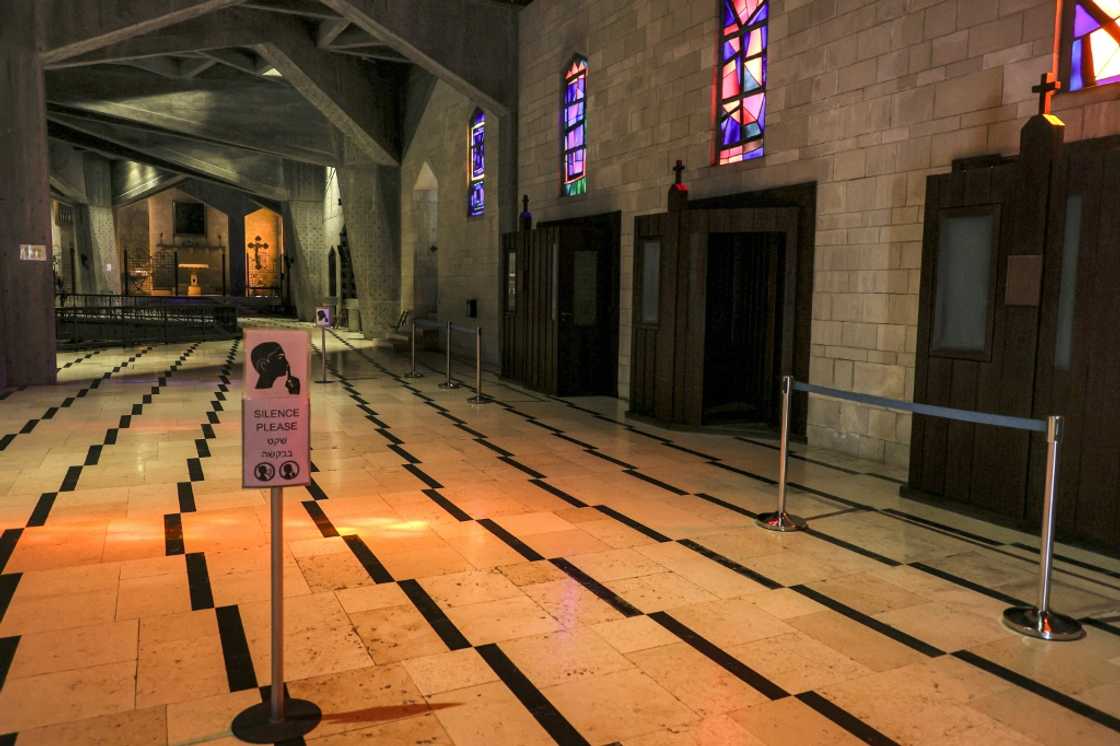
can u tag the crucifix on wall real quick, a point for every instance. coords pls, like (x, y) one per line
(1046, 89)
(256, 246)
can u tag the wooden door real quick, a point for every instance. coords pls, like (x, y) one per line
(1078, 372)
(582, 314)
(977, 326)
(528, 319)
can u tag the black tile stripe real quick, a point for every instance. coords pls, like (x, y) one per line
(198, 581)
(443, 626)
(28, 427)
(611, 459)
(186, 497)
(522, 467)
(315, 490)
(512, 541)
(8, 545)
(408, 457)
(725, 504)
(42, 509)
(8, 584)
(70, 481)
(235, 649)
(319, 518)
(8, 647)
(93, 455)
(553, 490)
(423, 476)
(846, 720)
(543, 711)
(1102, 626)
(731, 564)
(487, 444)
(110, 437)
(719, 656)
(852, 547)
(964, 583)
(455, 511)
(1070, 560)
(639, 527)
(655, 482)
(194, 469)
(173, 534)
(201, 447)
(869, 621)
(615, 601)
(1064, 700)
(368, 559)
(943, 527)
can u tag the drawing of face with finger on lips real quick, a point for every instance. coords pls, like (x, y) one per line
(271, 363)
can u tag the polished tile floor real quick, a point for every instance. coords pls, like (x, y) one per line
(527, 571)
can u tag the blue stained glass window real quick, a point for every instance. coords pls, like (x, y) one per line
(476, 185)
(1094, 49)
(575, 128)
(741, 80)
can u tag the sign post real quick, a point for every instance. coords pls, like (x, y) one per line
(323, 320)
(275, 452)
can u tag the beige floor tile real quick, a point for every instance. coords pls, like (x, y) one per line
(798, 663)
(867, 593)
(617, 706)
(634, 633)
(658, 592)
(861, 644)
(74, 647)
(728, 623)
(332, 572)
(371, 597)
(570, 603)
(44, 613)
(145, 727)
(154, 595)
(396, 633)
(706, 688)
(719, 729)
(790, 721)
(462, 589)
(67, 696)
(1041, 720)
(486, 715)
(207, 720)
(564, 656)
(443, 672)
(946, 627)
(361, 697)
(531, 573)
(424, 730)
(180, 670)
(495, 621)
(616, 564)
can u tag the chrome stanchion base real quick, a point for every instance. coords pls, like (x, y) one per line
(255, 725)
(1047, 625)
(413, 374)
(479, 399)
(448, 386)
(324, 380)
(783, 522)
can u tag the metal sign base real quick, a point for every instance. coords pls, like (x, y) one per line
(781, 521)
(255, 725)
(413, 374)
(479, 400)
(448, 385)
(1044, 625)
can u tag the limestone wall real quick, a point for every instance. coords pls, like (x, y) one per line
(434, 213)
(865, 97)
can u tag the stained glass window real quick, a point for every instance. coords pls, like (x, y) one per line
(742, 79)
(476, 188)
(1094, 51)
(575, 127)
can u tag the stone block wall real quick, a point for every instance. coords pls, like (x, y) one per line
(467, 249)
(865, 97)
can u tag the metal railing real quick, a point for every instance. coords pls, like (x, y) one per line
(157, 323)
(450, 383)
(1038, 621)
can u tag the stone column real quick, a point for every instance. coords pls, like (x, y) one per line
(304, 240)
(371, 207)
(97, 237)
(27, 341)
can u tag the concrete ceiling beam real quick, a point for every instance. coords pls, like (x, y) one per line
(223, 29)
(305, 8)
(479, 59)
(328, 31)
(75, 27)
(352, 95)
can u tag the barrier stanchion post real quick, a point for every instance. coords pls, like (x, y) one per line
(323, 355)
(449, 384)
(780, 520)
(413, 373)
(1039, 621)
(478, 398)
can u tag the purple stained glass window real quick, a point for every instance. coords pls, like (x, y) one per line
(476, 184)
(575, 128)
(1094, 49)
(741, 117)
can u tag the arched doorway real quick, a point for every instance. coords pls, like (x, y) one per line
(425, 259)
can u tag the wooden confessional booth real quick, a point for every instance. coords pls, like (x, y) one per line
(560, 305)
(722, 298)
(1019, 314)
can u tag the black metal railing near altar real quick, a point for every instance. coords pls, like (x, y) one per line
(132, 324)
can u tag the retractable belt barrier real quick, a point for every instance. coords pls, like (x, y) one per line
(1034, 621)
(449, 382)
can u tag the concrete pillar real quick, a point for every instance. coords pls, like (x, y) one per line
(371, 206)
(235, 254)
(304, 240)
(97, 234)
(27, 341)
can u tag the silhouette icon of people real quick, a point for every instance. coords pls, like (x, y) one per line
(270, 362)
(264, 472)
(321, 316)
(289, 470)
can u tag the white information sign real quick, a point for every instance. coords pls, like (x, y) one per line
(276, 409)
(323, 316)
(32, 252)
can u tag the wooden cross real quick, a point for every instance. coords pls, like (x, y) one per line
(1045, 90)
(679, 170)
(256, 246)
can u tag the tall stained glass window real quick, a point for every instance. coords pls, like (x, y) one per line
(476, 188)
(741, 119)
(1094, 46)
(575, 127)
